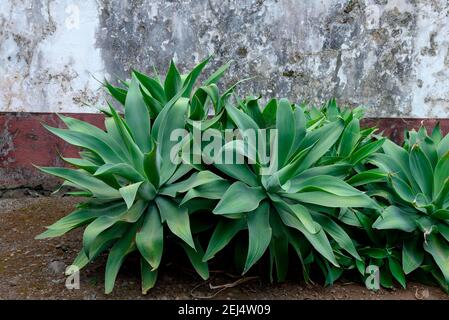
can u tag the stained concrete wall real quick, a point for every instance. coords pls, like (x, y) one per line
(391, 56)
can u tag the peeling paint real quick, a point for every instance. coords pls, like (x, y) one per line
(390, 55)
(7, 143)
(47, 66)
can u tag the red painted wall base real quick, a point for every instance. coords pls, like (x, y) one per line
(24, 142)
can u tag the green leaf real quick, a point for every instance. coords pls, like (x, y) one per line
(300, 212)
(403, 190)
(441, 174)
(80, 261)
(333, 274)
(388, 165)
(129, 193)
(440, 253)
(386, 280)
(375, 253)
(211, 92)
(429, 148)
(80, 163)
(234, 202)
(173, 83)
(195, 180)
(150, 237)
(118, 93)
(442, 214)
(269, 113)
(338, 234)
(87, 141)
(436, 133)
(84, 181)
(328, 191)
(121, 169)
(212, 190)
(338, 170)
(241, 120)
(253, 110)
(349, 138)
(440, 279)
(332, 110)
(240, 148)
(399, 160)
(148, 275)
(177, 219)
(292, 169)
(332, 200)
(443, 146)
(238, 171)
(207, 123)
(396, 271)
(116, 256)
(195, 257)
(259, 234)
(318, 240)
(147, 191)
(395, 218)
(152, 85)
(180, 172)
(80, 217)
(100, 244)
(154, 106)
(151, 165)
(225, 230)
(135, 154)
(348, 216)
(365, 151)
(322, 140)
(422, 170)
(193, 76)
(216, 76)
(87, 128)
(174, 120)
(367, 177)
(442, 198)
(325, 183)
(199, 106)
(137, 116)
(106, 221)
(285, 125)
(279, 247)
(300, 130)
(412, 255)
(443, 229)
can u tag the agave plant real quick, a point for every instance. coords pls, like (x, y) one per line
(346, 160)
(416, 199)
(204, 97)
(130, 174)
(286, 201)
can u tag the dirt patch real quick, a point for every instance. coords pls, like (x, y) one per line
(33, 269)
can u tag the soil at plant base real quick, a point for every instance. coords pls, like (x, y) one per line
(34, 269)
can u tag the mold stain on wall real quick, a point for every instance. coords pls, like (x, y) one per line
(389, 55)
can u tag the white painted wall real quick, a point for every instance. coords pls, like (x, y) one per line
(48, 57)
(50, 50)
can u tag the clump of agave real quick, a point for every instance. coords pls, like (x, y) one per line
(287, 200)
(128, 172)
(338, 196)
(416, 201)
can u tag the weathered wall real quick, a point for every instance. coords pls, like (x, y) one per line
(391, 56)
